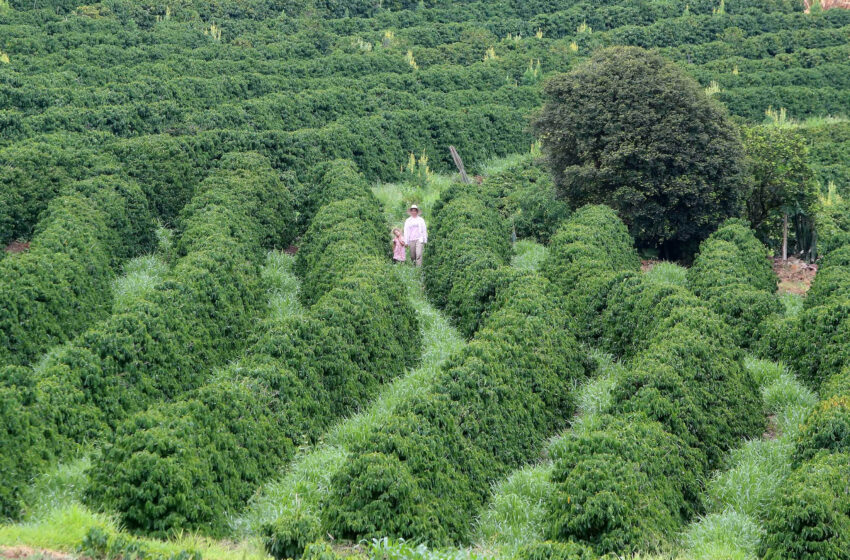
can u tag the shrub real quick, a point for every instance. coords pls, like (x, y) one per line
(837, 385)
(297, 377)
(288, 537)
(549, 550)
(24, 448)
(469, 242)
(426, 470)
(621, 485)
(811, 519)
(526, 198)
(588, 255)
(732, 273)
(183, 465)
(826, 428)
(163, 345)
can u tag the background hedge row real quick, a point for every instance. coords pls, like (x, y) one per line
(185, 465)
(61, 285)
(165, 343)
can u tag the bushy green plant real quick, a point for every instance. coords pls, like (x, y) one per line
(826, 428)
(588, 255)
(811, 517)
(426, 470)
(468, 242)
(289, 537)
(625, 484)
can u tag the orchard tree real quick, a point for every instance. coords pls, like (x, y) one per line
(631, 130)
(783, 182)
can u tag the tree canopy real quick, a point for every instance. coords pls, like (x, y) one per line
(631, 130)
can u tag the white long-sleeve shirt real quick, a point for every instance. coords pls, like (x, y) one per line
(414, 229)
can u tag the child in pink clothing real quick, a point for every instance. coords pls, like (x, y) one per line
(398, 246)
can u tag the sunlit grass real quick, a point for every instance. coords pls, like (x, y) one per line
(141, 275)
(498, 164)
(668, 273)
(792, 303)
(528, 255)
(283, 286)
(723, 536)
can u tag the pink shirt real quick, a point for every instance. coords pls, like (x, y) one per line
(398, 249)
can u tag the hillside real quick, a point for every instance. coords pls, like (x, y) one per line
(206, 350)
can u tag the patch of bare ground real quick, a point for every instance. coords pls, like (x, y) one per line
(22, 552)
(772, 430)
(18, 247)
(795, 275)
(647, 264)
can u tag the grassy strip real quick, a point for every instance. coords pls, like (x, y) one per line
(528, 255)
(305, 482)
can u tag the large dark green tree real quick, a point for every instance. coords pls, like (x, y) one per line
(631, 130)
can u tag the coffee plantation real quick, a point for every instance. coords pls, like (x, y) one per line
(206, 349)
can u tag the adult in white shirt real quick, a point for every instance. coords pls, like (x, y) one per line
(415, 234)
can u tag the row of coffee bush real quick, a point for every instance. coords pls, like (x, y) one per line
(733, 273)
(424, 472)
(587, 256)
(462, 208)
(469, 243)
(186, 464)
(811, 516)
(168, 340)
(61, 285)
(631, 479)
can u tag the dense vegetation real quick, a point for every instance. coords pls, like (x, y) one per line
(185, 145)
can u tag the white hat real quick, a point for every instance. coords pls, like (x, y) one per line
(413, 207)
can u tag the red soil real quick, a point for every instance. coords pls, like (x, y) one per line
(18, 246)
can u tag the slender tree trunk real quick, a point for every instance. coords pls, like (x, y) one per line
(785, 237)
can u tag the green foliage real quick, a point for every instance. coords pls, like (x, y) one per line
(826, 428)
(733, 274)
(783, 182)
(35, 171)
(24, 447)
(99, 544)
(527, 199)
(621, 485)
(288, 537)
(162, 345)
(611, 124)
(468, 243)
(434, 457)
(186, 464)
(811, 518)
(586, 257)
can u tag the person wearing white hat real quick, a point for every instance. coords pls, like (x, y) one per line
(415, 234)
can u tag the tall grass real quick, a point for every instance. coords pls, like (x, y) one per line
(528, 255)
(305, 481)
(141, 276)
(666, 272)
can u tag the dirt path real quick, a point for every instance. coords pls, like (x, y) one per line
(18, 247)
(21, 552)
(795, 276)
